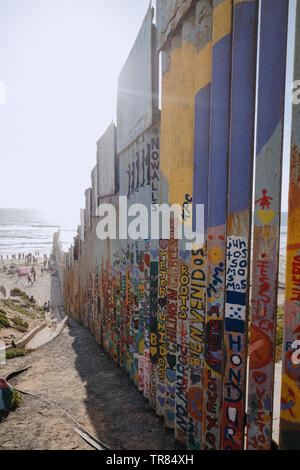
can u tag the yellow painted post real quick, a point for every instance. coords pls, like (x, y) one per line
(290, 392)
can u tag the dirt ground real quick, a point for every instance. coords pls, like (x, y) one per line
(74, 374)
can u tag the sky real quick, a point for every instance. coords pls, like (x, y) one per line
(60, 61)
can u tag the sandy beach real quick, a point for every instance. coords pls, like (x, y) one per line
(40, 289)
(45, 288)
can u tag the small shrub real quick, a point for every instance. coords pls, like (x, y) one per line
(18, 309)
(15, 401)
(15, 292)
(25, 296)
(279, 334)
(4, 322)
(20, 324)
(279, 329)
(12, 353)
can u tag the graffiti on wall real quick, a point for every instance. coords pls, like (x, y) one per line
(176, 320)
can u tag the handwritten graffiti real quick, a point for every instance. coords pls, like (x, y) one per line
(296, 279)
(161, 327)
(182, 348)
(196, 347)
(184, 293)
(171, 324)
(235, 318)
(186, 208)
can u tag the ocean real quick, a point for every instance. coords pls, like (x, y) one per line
(27, 231)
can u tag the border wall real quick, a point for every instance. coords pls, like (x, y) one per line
(196, 329)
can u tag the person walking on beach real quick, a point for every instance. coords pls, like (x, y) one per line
(33, 274)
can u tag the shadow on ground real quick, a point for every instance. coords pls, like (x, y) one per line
(73, 379)
(119, 413)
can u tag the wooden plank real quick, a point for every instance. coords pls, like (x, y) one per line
(290, 393)
(91, 441)
(270, 125)
(216, 231)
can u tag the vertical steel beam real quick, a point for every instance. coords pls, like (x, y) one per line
(242, 117)
(217, 213)
(270, 115)
(184, 254)
(290, 393)
(203, 69)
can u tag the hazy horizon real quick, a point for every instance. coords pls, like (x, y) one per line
(60, 61)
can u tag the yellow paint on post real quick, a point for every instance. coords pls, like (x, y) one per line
(236, 2)
(290, 393)
(203, 62)
(222, 20)
(177, 128)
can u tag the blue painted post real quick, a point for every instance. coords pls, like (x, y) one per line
(216, 232)
(203, 68)
(242, 119)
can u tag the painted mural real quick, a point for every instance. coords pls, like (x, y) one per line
(290, 390)
(185, 323)
(273, 30)
(241, 147)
